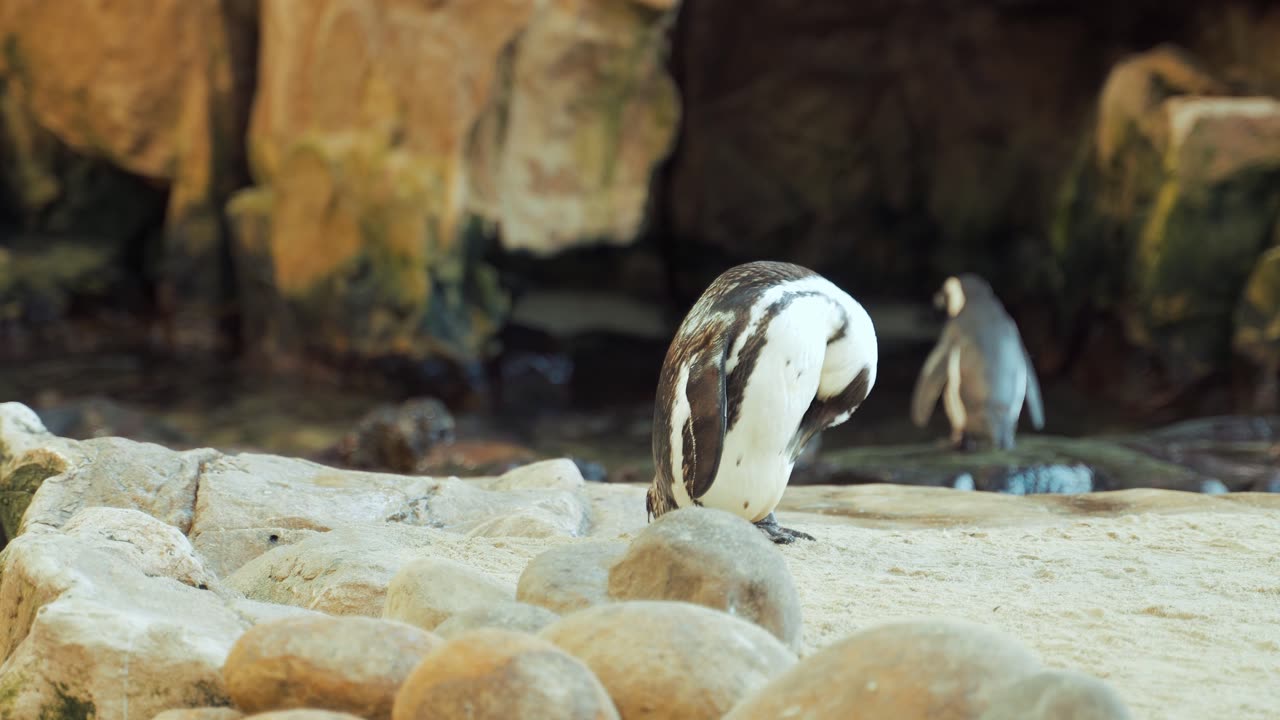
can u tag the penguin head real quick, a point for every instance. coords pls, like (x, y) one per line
(958, 291)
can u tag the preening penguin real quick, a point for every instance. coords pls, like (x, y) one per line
(771, 354)
(979, 366)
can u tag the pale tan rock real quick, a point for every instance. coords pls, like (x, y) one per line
(155, 548)
(645, 654)
(492, 674)
(85, 625)
(570, 577)
(114, 472)
(516, 616)
(925, 670)
(205, 713)
(553, 474)
(570, 144)
(1057, 695)
(347, 664)
(713, 558)
(427, 590)
(304, 714)
(253, 503)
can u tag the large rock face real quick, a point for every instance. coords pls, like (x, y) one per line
(379, 128)
(153, 88)
(1167, 215)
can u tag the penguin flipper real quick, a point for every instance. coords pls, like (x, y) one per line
(703, 433)
(1033, 402)
(933, 377)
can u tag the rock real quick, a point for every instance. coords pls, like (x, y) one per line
(552, 166)
(499, 675)
(114, 472)
(169, 107)
(1171, 156)
(304, 714)
(517, 616)
(1057, 695)
(671, 659)
(256, 612)
(154, 548)
(1257, 328)
(89, 631)
(570, 577)
(908, 670)
(252, 503)
(98, 416)
(347, 571)
(713, 558)
(206, 713)
(344, 664)
(1039, 464)
(553, 474)
(28, 456)
(426, 591)
(397, 437)
(470, 458)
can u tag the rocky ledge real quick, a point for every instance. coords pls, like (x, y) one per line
(143, 582)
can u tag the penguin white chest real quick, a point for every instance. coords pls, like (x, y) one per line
(756, 460)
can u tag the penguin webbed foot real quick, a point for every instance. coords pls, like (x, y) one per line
(779, 534)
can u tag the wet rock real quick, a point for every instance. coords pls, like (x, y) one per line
(499, 675)
(512, 615)
(1039, 464)
(426, 591)
(1057, 695)
(907, 670)
(205, 713)
(345, 664)
(397, 438)
(645, 653)
(570, 577)
(1267, 485)
(713, 558)
(88, 627)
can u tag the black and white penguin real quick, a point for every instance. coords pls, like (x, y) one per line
(979, 366)
(771, 354)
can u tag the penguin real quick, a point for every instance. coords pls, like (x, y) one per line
(770, 354)
(979, 366)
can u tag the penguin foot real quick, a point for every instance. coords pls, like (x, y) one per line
(779, 534)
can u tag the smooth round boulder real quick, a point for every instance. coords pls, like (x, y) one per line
(714, 558)
(571, 576)
(426, 591)
(665, 659)
(344, 664)
(924, 670)
(512, 615)
(493, 674)
(1057, 695)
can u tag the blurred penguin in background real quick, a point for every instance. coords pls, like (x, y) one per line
(979, 367)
